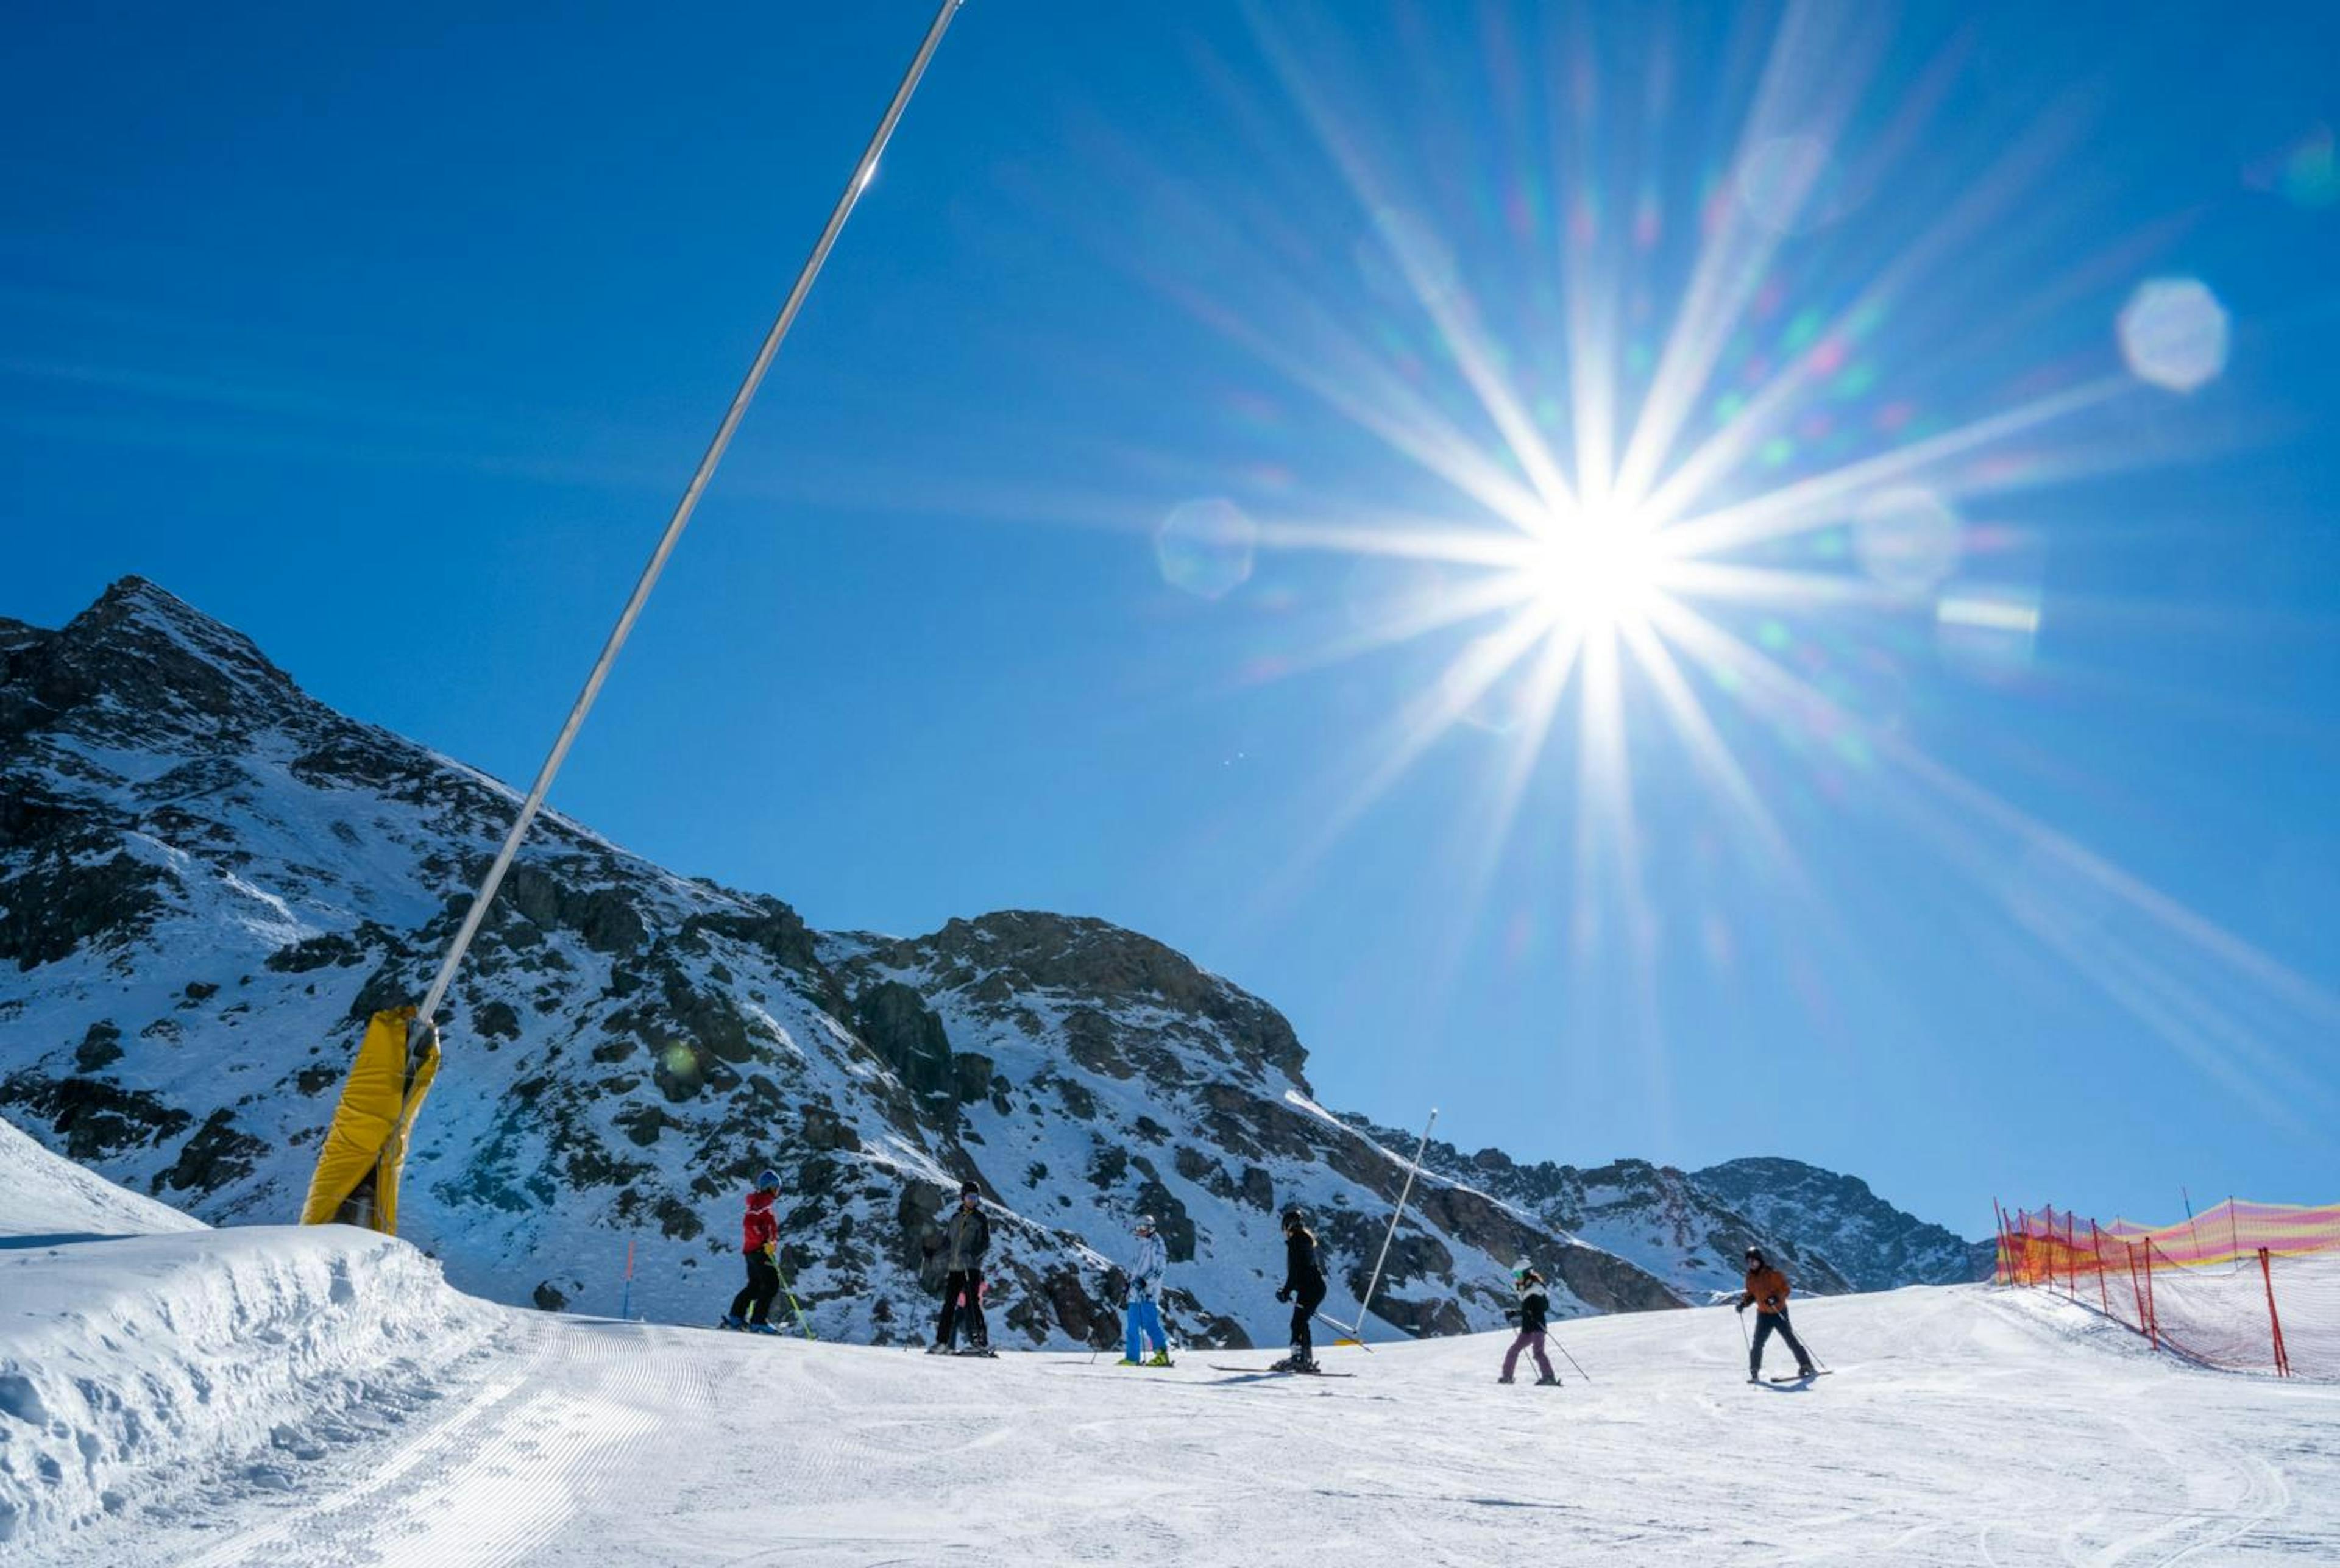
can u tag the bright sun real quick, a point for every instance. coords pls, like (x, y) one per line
(1596, 569)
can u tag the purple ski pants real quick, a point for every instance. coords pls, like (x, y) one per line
(1530, 1339)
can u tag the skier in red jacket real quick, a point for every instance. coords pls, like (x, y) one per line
(759, 1240)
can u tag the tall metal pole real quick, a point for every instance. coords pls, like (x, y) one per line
(862, 173)
(1365, 1303)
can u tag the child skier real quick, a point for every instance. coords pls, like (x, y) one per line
(967, 1236)
(1767, 1292)
(759, 1240)
(1535, 1304)
(1143, 1299)
(1304, 1287)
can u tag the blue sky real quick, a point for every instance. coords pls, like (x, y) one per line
(1193, 497)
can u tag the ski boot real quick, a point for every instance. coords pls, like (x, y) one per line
(1506, 1377)
(1129, 1361)
(938, 1349)
(1159, 1358)
(731, 1322)
(1547, 1381)
(761, 1328)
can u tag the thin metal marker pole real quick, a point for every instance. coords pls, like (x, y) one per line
(1364, 1304)
(862, 173)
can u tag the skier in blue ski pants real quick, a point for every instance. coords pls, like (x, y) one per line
(1145, 1282)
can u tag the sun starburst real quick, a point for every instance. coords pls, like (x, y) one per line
(1641, 518)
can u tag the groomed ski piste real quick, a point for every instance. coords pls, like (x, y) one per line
(286, 1397)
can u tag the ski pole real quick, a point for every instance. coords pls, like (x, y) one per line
(1554, 1340)
(792, 1299)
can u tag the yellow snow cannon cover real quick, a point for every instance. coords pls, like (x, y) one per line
(357, 1168)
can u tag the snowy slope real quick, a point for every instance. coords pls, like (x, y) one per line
(140, 1374)
(44, 1198)
(1961, 1426)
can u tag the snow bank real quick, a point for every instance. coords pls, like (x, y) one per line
(42, 1196)
(131, 1368)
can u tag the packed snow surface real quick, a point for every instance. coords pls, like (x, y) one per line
(1961, 1425)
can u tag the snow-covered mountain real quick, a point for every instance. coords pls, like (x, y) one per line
(1875, 1246)
(208, 880)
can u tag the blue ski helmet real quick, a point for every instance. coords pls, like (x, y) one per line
(769, 1181)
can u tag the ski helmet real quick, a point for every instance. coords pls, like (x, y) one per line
(1754, 1255)
(1146, 1222)
(968, 1189)
(1295, 1218)
(1520, 1271)
(768, 1181)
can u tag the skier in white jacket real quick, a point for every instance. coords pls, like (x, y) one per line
(1144, 1292)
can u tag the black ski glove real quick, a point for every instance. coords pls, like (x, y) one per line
(1284, 1292)
(1741, 1307)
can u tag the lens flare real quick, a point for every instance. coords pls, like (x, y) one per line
(1207, 547)
(2173, 333)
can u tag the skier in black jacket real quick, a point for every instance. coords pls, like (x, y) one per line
(965, 1237)
(1304, 1287)
(1535, 1302)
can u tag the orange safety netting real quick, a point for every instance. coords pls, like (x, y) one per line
(2247, 1286)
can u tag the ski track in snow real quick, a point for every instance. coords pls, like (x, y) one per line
(1964, 1426)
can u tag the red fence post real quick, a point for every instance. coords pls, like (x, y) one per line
(2000, 1273)
(2152, 1323)
(2096, 1246)
(2275, 1324)
(2071, 1258)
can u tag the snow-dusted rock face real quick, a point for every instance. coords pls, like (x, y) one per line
(208, 880)
(1873, 1245)
(1668, 1224)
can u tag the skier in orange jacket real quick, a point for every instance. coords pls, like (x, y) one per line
(1767, 1292)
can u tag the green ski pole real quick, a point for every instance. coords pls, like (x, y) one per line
(792, 1301)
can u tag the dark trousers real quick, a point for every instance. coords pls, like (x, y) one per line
(1767, 1324)
(962, 1283)
(755, 1302)
(1304, 1310)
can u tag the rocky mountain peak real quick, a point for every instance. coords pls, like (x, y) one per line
(1840, 1216)
(138, 657)
(992, 960)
